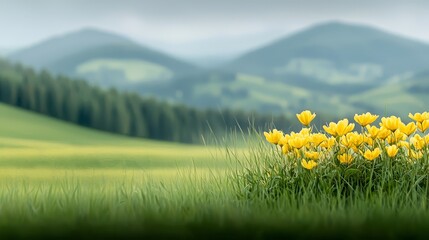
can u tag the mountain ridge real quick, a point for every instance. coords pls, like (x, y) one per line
(341, 44)
(64, 53)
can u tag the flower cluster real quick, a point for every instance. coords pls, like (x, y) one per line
(343, 144)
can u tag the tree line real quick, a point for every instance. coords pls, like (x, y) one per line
(78, 102)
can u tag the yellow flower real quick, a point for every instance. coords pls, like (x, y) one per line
(404, 144)
(426, 138)
(298, 142)
(423, 126)
(345, 158)
(284, 140)
(391, 123)
(355, 149)
(357, 139)
(297, 153)
(339, 129)
(285, 149)
(408, 129)
(331, 129)
(318, 138)
(416, 154)
(308, 165)
(294, 134)
(305, 117)
(371, 155)
(343, 127)
(273, 136)
(418, 142)
(373, 131)
(384, 133)
(305, 131)
(329, 143)
(346, 141)
(389, 138)
(396, 137)
(392, 150)
(368, 140)
(419, 117)
(365, 119)
(312, 155)
(351, 140)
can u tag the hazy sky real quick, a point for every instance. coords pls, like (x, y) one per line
(200, 27)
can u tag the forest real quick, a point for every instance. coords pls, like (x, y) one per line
(126, 113)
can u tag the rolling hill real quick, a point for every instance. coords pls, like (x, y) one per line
(334, 68)
(410, 94)
(30, 140)
(14, 123)
(102, 57)
(250, 92)
(336, 53)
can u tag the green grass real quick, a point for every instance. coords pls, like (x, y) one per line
(28, 140)
(65, 178)
(60, 180)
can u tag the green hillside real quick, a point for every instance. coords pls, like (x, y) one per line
(32, 140)
(410, 94)
(399, 95)
(257, 93)
(22, 124)
(67, 53)
(270, 95)
(133, 71)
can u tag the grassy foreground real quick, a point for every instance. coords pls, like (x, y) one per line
(61, 180)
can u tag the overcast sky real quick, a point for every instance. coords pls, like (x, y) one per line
(201, 27)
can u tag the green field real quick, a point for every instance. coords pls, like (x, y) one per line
(59, 180)
(31, 140)
(56, 174)
(133, 70)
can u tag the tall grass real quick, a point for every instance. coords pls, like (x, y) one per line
(242, 199)
(189, 203)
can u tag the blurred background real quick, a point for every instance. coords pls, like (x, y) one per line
(151, 68)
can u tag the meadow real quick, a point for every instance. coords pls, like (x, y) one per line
(57, 180)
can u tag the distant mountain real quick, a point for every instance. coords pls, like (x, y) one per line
(103, 57)
(5, 51)
(332, 68)
(336, 52)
